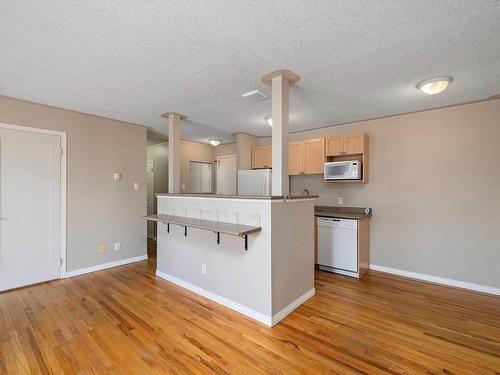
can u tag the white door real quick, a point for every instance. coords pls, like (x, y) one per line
(150, 196)
(226, 175)
(30, 208)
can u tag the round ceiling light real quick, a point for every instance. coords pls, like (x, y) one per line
(269, 120)
(214, 142)
(434, 85)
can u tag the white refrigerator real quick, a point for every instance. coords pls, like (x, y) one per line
(254, 182)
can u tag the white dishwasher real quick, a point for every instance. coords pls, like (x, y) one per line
(338, 245)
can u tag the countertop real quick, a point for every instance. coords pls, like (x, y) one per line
(357, 213)
(262, 197)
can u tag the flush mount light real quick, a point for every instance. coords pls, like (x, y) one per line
(269, 120)
(434, 85)
(214, 142)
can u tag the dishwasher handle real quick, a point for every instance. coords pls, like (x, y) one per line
(336, 222)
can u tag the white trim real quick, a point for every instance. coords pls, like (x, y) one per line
(438, 280)
(338, 270)
(278, 317)
(254, 200)
(63, 137)
(258, 316)
(295, 200)
(104, 266)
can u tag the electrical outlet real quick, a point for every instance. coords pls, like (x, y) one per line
(183, 187)
(102, 249)
(203, 268)
(341, 200)
(118, 246)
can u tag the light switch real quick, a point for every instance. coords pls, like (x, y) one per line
(136, 186)
(117, 176)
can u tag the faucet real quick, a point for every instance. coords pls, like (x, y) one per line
(305, 192)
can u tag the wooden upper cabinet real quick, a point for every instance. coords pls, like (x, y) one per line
(262, 157)
(314, 156)
(304, 157)
(269, 156)
(259, 157)
(350, 144)
(334, 146)
(295, 158)
(353, 144)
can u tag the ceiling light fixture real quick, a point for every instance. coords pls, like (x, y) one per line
(214, 142)
(434, 85)
(269, 120)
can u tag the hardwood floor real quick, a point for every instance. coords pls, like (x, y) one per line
(126, 321)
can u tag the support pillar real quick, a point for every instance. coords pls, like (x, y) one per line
(280, 81)
(174, 150)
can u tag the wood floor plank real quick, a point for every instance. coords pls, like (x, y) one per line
(125, 320)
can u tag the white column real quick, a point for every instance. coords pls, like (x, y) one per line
(280, 81)
(280, 184)
(174, 151)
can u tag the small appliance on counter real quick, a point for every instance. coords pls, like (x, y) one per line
(343, 170)
(254, 182)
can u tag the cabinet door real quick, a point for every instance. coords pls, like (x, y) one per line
(295, 158)
(259, 155)
(353, 144)
(269, 156)
(334, 146)
(314, 156)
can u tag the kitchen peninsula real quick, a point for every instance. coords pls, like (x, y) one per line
(253, 254)
(200, 251)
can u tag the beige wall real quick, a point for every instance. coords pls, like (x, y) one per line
(225, 149)
(159, 154)
(193, 151)
(244, 144)
(99, 209)
(434, 187)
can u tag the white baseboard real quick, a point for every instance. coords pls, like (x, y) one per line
(278, 317)
(437, 279)
(104, 266)
(258, 316)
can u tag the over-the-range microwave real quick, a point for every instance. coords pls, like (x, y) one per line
(343, 170)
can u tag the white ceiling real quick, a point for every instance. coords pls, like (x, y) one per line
(133, 60)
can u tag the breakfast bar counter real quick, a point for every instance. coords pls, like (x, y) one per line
(251, 254)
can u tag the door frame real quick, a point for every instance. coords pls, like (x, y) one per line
(230, 156)
(63, 159)
(154, 201)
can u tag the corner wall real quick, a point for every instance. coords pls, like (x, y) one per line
(99, 209)
(434, 189)
(193, 151)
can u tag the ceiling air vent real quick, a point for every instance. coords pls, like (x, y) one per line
(255, 96)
